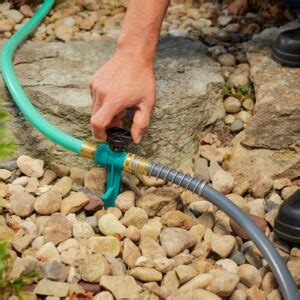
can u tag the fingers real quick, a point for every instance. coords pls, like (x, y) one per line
(103, 118)
(141, 121)
(97, 95)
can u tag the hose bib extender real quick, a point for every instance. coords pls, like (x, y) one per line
(115, 160)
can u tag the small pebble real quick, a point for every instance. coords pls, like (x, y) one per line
(232, 105)
(236, 126)
(244, 116)
(248, 104)
(227, 60)
(229, 119)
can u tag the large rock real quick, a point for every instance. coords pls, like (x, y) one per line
(270, 144)
(55, 77)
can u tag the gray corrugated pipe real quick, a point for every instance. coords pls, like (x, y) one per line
(285, 281)
(134, 164)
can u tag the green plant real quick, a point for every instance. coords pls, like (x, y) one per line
(11, 287)
(6, 145)
(241, 92)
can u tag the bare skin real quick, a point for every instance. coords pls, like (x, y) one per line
(127, 79)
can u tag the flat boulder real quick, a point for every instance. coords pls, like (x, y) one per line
(55, 77)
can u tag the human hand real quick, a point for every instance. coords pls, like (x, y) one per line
(125, 81)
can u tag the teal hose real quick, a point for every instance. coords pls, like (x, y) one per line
(284, 278)
(18, 94)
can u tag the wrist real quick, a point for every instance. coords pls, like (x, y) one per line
(138, 48)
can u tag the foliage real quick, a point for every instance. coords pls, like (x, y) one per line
(11, 287)
(241, 92)
(6, 146)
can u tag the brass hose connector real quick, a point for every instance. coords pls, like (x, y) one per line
(136, 164)
(88, 150)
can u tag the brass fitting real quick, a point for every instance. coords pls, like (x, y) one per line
(136, 164)
(88, 150)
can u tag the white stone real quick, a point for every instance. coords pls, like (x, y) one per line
(31, 167)
(82, 230)
(223, 181)
(110, 225)
(228, 265)
(5, 174)
(125, 200)
(223, 245)
(14, 15)
(48, 252)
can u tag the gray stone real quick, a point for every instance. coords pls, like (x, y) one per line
(57, 229)
(201, 169)
(55, 77)
(236, 126)
(9, 165)
(53, 270)
(238, 257)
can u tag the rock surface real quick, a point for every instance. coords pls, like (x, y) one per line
(272, 136)
(58, 74)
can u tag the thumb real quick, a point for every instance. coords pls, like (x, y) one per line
(141, 122)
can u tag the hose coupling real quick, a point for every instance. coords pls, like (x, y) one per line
(136, 164)
(88, 150)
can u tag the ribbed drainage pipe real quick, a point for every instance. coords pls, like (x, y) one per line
(286, 283)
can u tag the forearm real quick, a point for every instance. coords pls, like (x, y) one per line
(141, 28)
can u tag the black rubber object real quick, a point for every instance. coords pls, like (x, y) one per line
(118, 138)
(287, 222)
(286, 48)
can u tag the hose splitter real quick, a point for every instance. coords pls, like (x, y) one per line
(113, 157)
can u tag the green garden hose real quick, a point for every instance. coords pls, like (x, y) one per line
(116, 162)
(18, 94)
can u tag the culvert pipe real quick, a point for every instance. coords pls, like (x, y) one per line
(116, 162)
